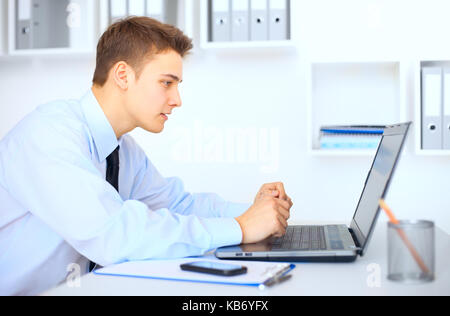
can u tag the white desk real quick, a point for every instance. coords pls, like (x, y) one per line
(358, 278)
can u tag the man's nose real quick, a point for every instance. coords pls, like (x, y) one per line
(175, 99)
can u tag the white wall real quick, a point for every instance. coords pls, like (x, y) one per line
(262, 94)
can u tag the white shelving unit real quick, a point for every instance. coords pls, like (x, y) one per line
(205, 43)
(353, 93)
(81, 30)
(181, 14)
(90, 19)
(418, 106)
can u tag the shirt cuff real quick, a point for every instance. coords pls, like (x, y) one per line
(223, 231)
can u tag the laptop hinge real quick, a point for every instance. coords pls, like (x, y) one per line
(355, 240)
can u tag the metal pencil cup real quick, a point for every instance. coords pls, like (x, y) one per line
(411, 251)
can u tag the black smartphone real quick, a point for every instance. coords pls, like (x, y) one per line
(215, 268)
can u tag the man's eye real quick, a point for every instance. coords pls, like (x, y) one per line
(167, 83)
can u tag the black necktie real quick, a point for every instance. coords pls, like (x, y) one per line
(112, 176)
(112, 168)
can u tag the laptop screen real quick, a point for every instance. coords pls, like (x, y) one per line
(377, 181)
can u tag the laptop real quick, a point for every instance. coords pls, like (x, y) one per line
(333, 243)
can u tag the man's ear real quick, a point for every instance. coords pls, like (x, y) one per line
(122, 74)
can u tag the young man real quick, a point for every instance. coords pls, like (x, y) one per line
(75, 188)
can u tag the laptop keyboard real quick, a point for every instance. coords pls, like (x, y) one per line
(301, 238)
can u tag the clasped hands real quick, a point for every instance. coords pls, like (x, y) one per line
(268, 215)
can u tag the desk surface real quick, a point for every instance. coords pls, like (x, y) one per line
(357, 278)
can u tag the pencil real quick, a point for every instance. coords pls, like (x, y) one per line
(403, 236)
(389, 212)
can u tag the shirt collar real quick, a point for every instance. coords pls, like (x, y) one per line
(104, 137)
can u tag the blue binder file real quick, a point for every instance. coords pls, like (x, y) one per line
(351, 137)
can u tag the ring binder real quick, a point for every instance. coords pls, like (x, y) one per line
(220, 23)
(446, 110)
(155, 9)
(278, 25)
(259, 17)
(136, 7)
(240, 20)
(431, 108)
(118, 9)
(41, 24)
(23, 25)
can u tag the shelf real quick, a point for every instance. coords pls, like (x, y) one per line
(88, 19)
(207, 43)
(256, 44)
(342, 153)
(73, 31)
(52, 52)
(434, 153)
(353, 93)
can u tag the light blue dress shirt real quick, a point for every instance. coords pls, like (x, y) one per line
(57, 208)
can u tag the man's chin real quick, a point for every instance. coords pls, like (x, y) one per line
(153, 129)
